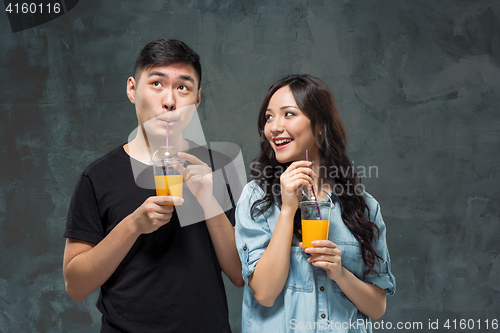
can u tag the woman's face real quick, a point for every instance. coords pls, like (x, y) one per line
(288, 129)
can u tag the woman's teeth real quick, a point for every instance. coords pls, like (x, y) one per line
(283, 141)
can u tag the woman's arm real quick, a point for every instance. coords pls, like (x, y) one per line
(271, 272)
(368, 298)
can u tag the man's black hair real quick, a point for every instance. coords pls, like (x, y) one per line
(167, 51)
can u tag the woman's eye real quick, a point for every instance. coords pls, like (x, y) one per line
(289, 114)
(268, 117)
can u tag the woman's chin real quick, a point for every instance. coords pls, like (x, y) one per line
(283, 159)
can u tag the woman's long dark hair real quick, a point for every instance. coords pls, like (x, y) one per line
(316, 101)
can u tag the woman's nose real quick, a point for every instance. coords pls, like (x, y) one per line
(277, 126)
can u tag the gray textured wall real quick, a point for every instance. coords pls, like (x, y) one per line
(417, 84)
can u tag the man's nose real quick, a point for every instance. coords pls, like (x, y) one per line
(168, 100)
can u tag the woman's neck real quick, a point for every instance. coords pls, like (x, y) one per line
(322, 184)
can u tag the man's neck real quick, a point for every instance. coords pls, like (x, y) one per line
(138, 148)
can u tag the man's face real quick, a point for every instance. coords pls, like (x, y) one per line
(165, 93)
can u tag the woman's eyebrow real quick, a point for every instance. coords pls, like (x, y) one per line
(289, 106)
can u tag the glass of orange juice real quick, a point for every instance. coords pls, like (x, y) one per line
(315, 217)
(168, 172)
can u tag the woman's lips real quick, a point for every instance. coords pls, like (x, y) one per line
(282, 143)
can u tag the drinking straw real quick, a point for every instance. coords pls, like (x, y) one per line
(312, 188)
(168, 154)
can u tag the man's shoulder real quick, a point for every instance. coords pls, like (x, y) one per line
(210, 156)
(106, 161)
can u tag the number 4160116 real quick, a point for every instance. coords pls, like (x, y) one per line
(33, 8)
(471, 324)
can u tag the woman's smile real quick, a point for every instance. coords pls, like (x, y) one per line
(287, 128)
(282, 143)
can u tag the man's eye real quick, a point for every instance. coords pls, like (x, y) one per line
(183, 88)
(156, 84)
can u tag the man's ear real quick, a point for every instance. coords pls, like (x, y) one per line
(198, 98)
(131, 86)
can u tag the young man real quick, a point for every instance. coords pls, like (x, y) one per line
(154, 274)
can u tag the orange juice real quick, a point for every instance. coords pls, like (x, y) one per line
(170, 185)
(314, 230)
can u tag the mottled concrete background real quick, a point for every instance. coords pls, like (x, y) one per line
(417, 84)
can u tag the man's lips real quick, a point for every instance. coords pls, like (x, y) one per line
(169, 122)
(282, 143)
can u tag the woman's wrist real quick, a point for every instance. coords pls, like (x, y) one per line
(342, 276)
(288, 211)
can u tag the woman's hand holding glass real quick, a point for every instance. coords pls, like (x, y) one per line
(327, 255)
(298, 174)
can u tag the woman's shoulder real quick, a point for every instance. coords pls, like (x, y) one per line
(251, 193)
(248, 206)
(371, 202)
(373, 206)
(252, 189)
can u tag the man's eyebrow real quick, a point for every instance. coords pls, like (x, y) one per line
(157, 73)
(183, 77)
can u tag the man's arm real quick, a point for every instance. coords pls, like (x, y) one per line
(198, 177)
(222, 235)
(86, 266)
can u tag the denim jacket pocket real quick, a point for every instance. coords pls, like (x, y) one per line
(351, 259)
(300, 274)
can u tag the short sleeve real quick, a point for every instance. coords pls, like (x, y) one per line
(83, 221)
(252, 236)
(386, 280)
(227, 185)
(233, 191)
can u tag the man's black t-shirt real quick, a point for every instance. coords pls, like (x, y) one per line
(170, 280)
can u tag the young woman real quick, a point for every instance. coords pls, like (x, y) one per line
(338, 284)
